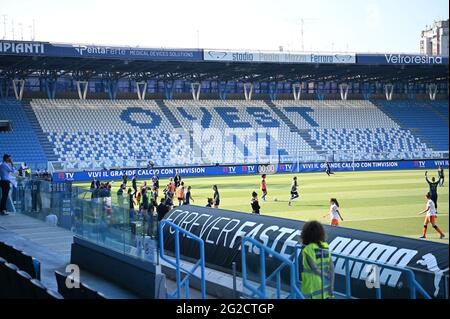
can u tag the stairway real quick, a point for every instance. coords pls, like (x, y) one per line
(304, 133)
(437, 112)
(168, 113)
(283, 117)
(47, 147)
(305, 136)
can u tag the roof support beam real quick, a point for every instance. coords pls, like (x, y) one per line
(141, 89)
(82, 88)
(18, 85)
(388, 91)
(195, 90)
(248, 91)
(432, 90)
(343, 90)
(296, 91)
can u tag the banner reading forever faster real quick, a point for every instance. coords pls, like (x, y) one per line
(222, 231)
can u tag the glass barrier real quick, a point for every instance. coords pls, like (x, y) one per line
(97, 216)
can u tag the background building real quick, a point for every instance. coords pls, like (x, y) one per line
(434, 39)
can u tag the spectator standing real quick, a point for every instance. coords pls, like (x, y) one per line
(6, 169)
(317, 265)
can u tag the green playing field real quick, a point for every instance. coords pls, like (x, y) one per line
(382, 201)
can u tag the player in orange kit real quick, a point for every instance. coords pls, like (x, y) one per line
(430, 218)
(263, 187)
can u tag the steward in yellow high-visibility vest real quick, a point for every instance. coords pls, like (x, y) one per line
(317, 265)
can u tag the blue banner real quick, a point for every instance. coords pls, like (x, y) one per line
(97, 51)
(361, 166)
(401, 59)
(244, 169)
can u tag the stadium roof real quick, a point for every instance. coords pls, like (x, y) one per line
(20, 59)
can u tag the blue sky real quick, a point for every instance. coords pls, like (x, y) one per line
(329, 25)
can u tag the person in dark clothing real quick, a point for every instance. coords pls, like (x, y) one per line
(441, 175)
(216, 197)
(155, 181)
(433, 189)
(125, 178)
(154, 196)
(134, 185)
(188, 197)
(36, 200)
(294, 192)
(177, 179)
(328, 169)
(131, 203)
(210, 202)
(97, 184)
(120, 194)
(162, 209)
(255, 203)
(145, 200)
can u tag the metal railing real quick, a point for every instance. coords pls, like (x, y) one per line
(200, 264)
(413, 285)
(260, 291)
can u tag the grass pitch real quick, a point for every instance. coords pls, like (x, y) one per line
(381, 201)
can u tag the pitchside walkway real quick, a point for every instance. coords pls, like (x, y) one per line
(51, 246)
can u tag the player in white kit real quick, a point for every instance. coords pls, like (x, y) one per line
(334, 213)
(430, 218)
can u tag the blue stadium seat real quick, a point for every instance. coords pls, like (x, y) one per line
(117, 133)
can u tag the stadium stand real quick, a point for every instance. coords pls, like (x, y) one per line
(22, 140)
(116, 133)
(16, 282)
(428, 120)
(24, 261)
(110, 133)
